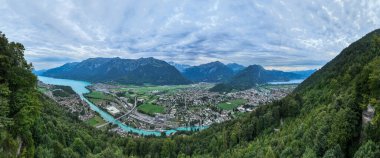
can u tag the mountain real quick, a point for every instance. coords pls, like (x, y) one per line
(180, 67)
(235, 67)
(252, 76)
(304, 73)
(333, 113)
(38, 72)
(210, 72)
(126, 71)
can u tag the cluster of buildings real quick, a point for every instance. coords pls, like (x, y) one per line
(71, 102)
(262, 95)
(191, 106)
(198, 106)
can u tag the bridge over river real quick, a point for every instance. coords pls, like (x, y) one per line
(126, 114)
(80, 88)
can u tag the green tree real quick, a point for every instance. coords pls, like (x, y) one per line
(131, 147)
(368, 150)
(309, 153)
(334, 152)
(270, 153)
(168, 148)
(79, 146)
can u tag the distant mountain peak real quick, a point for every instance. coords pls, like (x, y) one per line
(214, 63)
(147, 58)
(234, 64)
(128, 71)
(210, 72)
(235, 67)
(255, 67)
(217, 62)
(252, 76)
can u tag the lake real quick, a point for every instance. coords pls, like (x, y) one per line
(288, 82)
(80, 88)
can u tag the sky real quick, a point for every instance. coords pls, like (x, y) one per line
(278, 34)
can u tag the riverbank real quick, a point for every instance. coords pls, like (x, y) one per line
(79, 87)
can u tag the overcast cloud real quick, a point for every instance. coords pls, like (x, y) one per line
(287, 35)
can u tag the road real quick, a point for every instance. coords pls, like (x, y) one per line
(126, 114)
(136, 115)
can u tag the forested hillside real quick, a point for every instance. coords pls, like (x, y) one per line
(19, 105)
(117, 70)
(210, 72)
(321, 118)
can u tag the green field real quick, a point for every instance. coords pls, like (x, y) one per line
(146, 89)
(232, 104)
(149, 92)
(151, 88)
(99, 95)
(43, 90)
(96, 101)
(150, 109)
(95, 121)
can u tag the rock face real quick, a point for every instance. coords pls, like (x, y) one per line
(368, 114)
(126, 71)
(211, 72)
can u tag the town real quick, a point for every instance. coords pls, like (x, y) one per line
(159, 108)
(167, 107)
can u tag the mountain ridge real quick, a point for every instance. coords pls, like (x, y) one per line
(209, 72)
(252, 76)
(126, 71)
(321, 118)
(235, 67)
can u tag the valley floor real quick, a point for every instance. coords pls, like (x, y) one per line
(167, 107)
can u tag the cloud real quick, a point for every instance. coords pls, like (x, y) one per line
(290, 34)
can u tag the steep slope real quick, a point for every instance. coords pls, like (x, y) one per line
(19, 106)
(252, 76)
(210, 72)
(321, 118)
(127, 71)
(324, 115)
(62, 69)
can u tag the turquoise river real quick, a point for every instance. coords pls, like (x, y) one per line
(80, 88)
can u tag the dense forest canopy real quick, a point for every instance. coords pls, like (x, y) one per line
(19, 104)
(321, 118)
